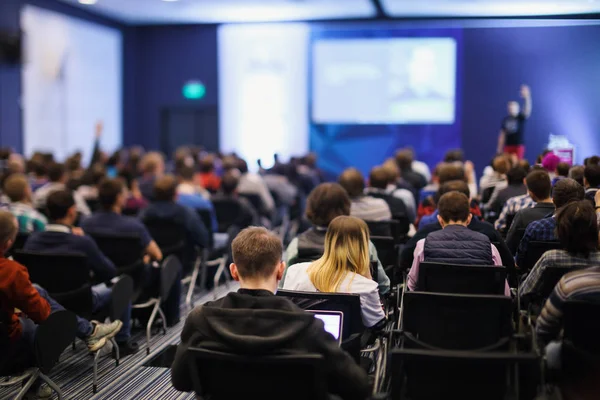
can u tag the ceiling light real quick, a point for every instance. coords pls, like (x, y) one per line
(88, 2)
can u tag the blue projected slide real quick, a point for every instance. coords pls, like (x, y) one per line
(384, 81)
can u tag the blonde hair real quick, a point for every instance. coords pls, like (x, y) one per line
(346, 251)
(151, 162)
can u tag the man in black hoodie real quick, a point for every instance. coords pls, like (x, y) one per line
(255, 322)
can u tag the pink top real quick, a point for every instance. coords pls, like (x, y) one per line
(419, 257)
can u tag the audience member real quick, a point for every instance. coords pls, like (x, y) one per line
(539, 187)
(565, 191)
(562, 171)
(576, 173)
(152, 166)
(495, 181)
(421, 168)
(194, 197)
(207, 178)
(38, 174)
(577, 230)
(378, 181)
(254, 322)
(326, 202)
(510, 209)
(247, 215)
(61, 237)
(515, 178)
(16, 187)
(253, 184)
(591, 181)
(550, 163)
(398, 189)
(89, 182)
(455, 242)
(365, 207)
(57, 181)
(404, 159)
(345, 267)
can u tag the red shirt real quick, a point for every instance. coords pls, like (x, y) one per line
(16, 291)
(209, 181)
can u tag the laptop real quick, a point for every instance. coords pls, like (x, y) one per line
(333, 320)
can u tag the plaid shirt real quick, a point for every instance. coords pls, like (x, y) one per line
(512, 206)
(555, 258)
(542, 230)
(583, 284)
(30, 220)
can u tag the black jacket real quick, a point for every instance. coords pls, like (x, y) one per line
(256, 322)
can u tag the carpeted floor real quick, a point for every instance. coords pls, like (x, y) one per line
(131, 379)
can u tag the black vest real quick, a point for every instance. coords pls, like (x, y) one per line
(311, 244)
(458, 245)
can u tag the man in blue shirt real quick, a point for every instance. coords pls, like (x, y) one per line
(61, 237)
(190, 195)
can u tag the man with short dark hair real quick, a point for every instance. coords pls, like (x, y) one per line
(62, 237)
(455, 243)
(576, 173)
(364, 207)
(539, 187)
(253, 322)
(378, 181)
(515, 178)
(565, 191)
(591, 181)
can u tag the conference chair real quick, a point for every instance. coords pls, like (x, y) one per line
(75, 293)
(549, 278)
(52, 337)
(256, 202)
(293, 377)
(169, 236)
(423, 374)
(93, 204)
(389, 228)
(228, 213)
(535, 250)
(580, 346)
(19, 243)
(169, 271)
(455, 322)
(387, 253)
(465, 279)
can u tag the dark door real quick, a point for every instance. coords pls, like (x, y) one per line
(189, 126)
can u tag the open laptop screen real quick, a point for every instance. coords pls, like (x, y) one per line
(333, 321)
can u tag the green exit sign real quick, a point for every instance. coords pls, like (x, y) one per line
(194, 90)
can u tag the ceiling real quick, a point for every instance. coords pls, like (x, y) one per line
(143, 12)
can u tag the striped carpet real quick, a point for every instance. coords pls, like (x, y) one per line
(131, 379)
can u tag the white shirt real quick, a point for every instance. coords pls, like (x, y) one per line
(254, 184)
(370, 209)
(297, 279)
(41, 195)
(422, 169)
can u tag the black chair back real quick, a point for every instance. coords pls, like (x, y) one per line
(582, 325)
(465, 279)
(52, 337)
(125, 251)
(255, 200)
(169, 235)
(383, 228)
(93, 204)
(457, 322)
(348, 304)
(168, 274)
(122, 293)
(550, 278)
(206, 217)
(20, 241)
(308, 255)
(535, 250)
(228, 213)
(300, 376)
(433, 375)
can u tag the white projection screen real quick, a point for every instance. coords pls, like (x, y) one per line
(384, 81)
(72, 77)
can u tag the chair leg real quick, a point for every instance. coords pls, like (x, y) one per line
(28, 385)
(95, 369)
(190, 293)
(204, 269)
(164, 319)
(53, 385)
(149, 326)
(73, 345)
(117, 351)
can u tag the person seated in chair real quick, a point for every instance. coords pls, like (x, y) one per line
(591, 181)
(247, 214)
(58, 178)
(61, 237)
(152, 166)
(455, 243)
(190, 195)
(34, 305)
(345, 267)
(326, 202)
(254, 322)
(363, 206)
(539, 188)
(565, 191)
(378, 181)
(577, 229)
(17, 188)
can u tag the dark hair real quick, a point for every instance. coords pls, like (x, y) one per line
(525, 165)
(576, 173)
(592, 175)
(186, 172)
(229, 183)
(56, 172)
(515, 175)
(565, 191)
(562, 169)
(59, 203)
(379, 178)
(593, 160)
(454, 206)
(454, 186)
(256, 252)
(577, 228)
(454, 155)
(37, 167)
(94, 175)
(242, 165)
(325, 202)
(404, 159)
(108, 192)
(165, 188)
(352, 181)
(207, 164)
(450, 172)
(539, 184)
